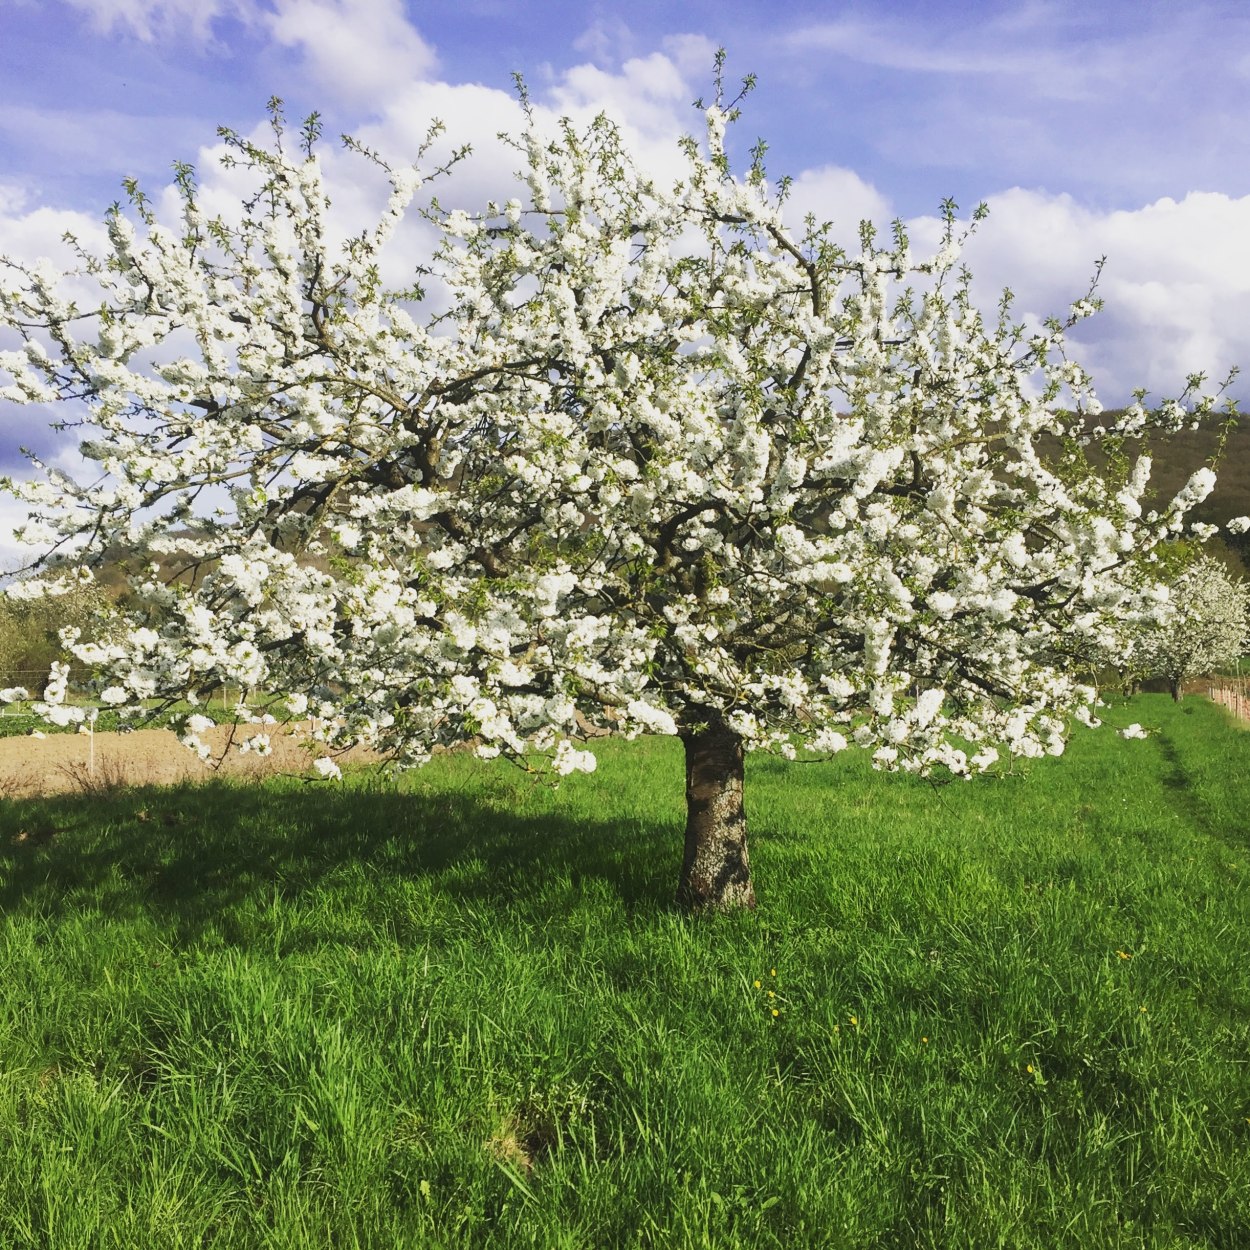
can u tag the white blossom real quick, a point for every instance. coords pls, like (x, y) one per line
(568, 759)
(257, 744)
(58, 679)
(654, 719)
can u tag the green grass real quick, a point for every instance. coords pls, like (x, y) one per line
(466, 1014)
(17, 719)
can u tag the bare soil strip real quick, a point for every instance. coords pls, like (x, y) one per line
(61, 763)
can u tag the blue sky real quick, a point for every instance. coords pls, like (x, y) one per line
(1090, 127)
(1115, 103)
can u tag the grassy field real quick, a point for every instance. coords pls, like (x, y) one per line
(1011, 1013)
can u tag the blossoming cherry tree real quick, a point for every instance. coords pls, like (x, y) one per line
(633, 455)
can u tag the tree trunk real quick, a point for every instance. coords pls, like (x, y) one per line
(1174, 688)
(715, 873)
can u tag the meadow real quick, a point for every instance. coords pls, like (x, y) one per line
(461, 1011)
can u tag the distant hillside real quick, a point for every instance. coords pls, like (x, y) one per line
(1176, 458)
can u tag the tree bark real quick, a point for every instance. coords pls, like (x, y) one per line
(1174, 688)
(715, 873)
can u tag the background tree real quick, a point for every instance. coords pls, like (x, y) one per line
(30, 631)
(623, 454)
(1206, 627)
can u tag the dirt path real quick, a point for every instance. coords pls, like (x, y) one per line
(63, 762)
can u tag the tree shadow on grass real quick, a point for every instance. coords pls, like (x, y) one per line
(1185, 797)
(190, 855)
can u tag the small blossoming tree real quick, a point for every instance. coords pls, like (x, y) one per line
(1205, 628)
(640, 457)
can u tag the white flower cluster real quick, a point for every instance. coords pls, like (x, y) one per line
(649, 457)
(53, 707)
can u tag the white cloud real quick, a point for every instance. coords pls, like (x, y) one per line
(30, 234)
(356, 52)
(609, 42)
(1176, 283)
(150, 20)
(13, 198)
(649, 98)
(1025, 45)
(604, 40)
(694, 55)
(837, 195)
(650, 95)
(360, 51)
